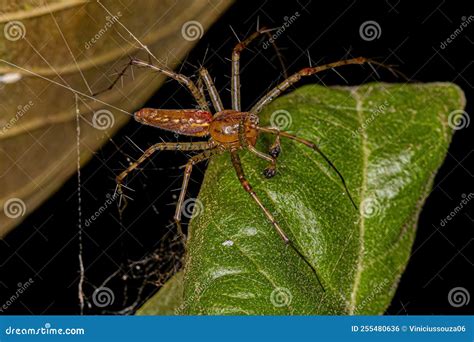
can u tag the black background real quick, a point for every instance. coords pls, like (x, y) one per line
(45, 246)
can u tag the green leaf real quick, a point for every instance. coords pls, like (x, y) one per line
(167, 300)
(388, 140)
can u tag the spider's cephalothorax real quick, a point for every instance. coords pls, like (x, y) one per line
(227, 130)
(228, 127)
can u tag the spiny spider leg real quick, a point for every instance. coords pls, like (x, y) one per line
(280, 88)
(206, 154)
(165, 146)
(274, 152)
(248, 188)
(114, 82)
(211, 88)
(312, 145)
(275, 149)
(200, 86)
(270, 170)
(184, 80)
(235, 82)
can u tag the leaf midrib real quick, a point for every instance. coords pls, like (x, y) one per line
(365, 156)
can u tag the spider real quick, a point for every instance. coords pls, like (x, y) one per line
(229, 130)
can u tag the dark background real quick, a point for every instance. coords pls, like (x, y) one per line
(45, 246)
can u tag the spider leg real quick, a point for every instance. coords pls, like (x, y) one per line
(275, 148)
(270, 170)
(187, 174)
(200, 86)
(312, 145)
(211, 88)
(184, 80)
(235, 82)
(274, 152)
(248, 188)
(187, 146)
(114, 82)
(280, 88)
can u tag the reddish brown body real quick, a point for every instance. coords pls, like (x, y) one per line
(223, 128)
(193, 122)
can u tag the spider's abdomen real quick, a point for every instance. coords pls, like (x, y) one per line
(193, 122)
(224, 128)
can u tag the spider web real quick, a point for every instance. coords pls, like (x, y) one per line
(155, 266)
